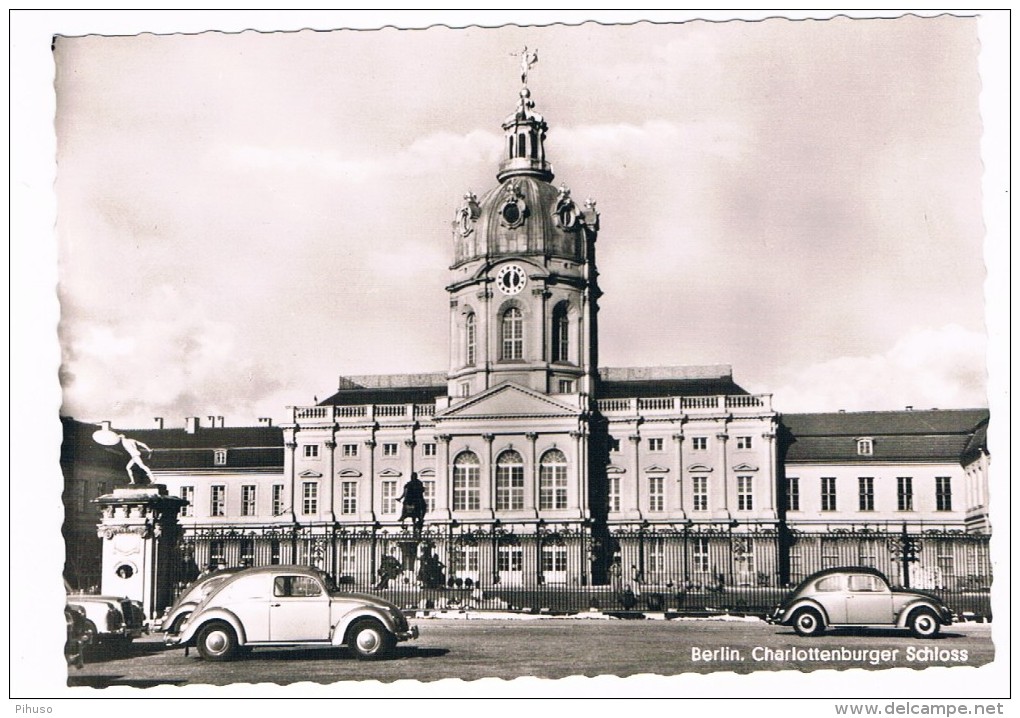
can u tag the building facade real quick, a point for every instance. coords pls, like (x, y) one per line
(540, 467)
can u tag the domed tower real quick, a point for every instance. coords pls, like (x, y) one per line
(524, 288)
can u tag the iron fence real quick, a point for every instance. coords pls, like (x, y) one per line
(573, 567)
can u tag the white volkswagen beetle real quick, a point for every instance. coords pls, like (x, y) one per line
(290, 606)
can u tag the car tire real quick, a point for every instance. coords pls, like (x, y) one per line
(807, 622)
(923, 623)
(369, 639)
(217, 641)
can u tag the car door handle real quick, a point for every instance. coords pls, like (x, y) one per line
(274, 605)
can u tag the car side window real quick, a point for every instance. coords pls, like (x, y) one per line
(865, 583)
(296, 587)
(830, 583)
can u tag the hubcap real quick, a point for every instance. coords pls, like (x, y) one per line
(216, 642)
(924, 624)
(368, 641)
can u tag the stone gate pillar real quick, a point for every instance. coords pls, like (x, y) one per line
(140, 535)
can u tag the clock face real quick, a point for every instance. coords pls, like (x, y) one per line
(511, 279)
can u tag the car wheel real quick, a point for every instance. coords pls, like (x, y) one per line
(807, 622)
(217, 641)
(369, 639)
(923, 624)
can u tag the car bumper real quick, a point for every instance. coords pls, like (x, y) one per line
(775, 616)
(408, 635)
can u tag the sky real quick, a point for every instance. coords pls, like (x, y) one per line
(242, 218)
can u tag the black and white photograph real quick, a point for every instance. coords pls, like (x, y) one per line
(552, 354)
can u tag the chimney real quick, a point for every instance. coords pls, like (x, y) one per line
(191, 424)
(105, 426)
(159, 422)
(910, 407)
(266, 420)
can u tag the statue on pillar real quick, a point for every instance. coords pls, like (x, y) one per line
(107, 437)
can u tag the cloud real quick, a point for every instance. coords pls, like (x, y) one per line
(423, 157)
(927, 368)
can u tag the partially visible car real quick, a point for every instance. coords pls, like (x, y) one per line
(859, 596)
(77, 636)
(110, 617)
(284, 605)
(174, 616)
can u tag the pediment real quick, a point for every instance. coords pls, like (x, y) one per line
(745, 467)
(349, 473)
(699, 468)
(614, 469)
(389, 473)
(309, 474)
(508, 400)
(656, 469)
(426, 473)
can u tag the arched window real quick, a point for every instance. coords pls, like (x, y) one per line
(466, 482)
(560, 334)
(469, 339)
(513, 334)
(509, 481)
(552, 481)
(521, 146)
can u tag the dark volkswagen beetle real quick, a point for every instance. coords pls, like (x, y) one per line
(858, 596)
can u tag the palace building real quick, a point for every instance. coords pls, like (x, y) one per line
(540, 466)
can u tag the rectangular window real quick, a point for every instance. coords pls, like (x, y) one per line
(349, 451)
(830, 554)
(510, 558)
(700, 493)
(743, 442)
(614, 493)
(219, 457)
(347, 558)
(554, 559)
(277, 499)
(655, 558)
(793, 494)
(656, 493)
(465, 389)
(275, 555)
(466, 488)
(566, 386)
(348, 497)
(509, 487)
(701, 555)
(865, 447)
(188, 494)
(311, 451)
(943, 493)
(904, 493)
(745, 493)
(428, 449)
(465, 559)
(699, 443)
(247, 552)
(389, 449)
(248, 500)
(866, 493)
(218, 500)
(867, 553)
(217, 553)
(655, 444)
(430, 495)
(389, 497)
(552, 485)
(828, 493)
(309, 497)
